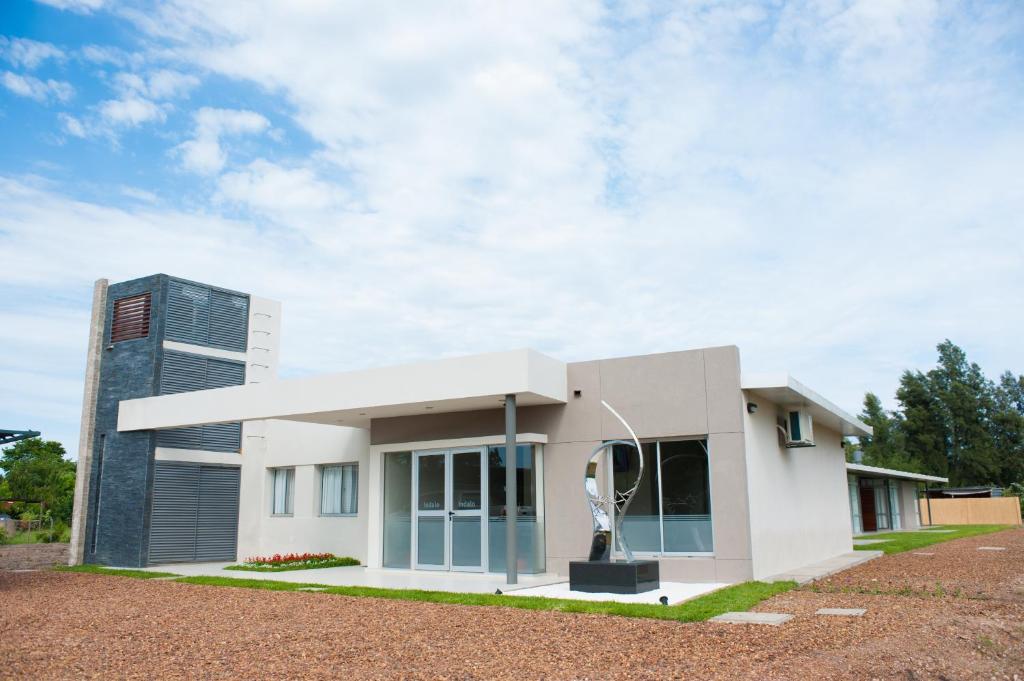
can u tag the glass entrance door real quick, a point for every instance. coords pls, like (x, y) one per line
(449, 496)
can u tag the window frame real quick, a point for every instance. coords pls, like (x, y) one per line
(321, 469)
(289, 502)
(610, 486)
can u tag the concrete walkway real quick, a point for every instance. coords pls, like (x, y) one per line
(460, 582)
(815, 571)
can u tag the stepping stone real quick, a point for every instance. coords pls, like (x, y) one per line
(868, 542)
(991, 548)
(773, 619)
(312, 588)
(922, 553)
(842, 612)
(938, 531)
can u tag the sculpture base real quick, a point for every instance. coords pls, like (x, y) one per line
(616, 577)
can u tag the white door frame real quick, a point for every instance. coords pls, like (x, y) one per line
(447, 512)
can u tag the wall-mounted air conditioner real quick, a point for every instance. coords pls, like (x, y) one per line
(799, 428)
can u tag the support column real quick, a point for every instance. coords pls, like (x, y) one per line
(511, 495)
(87, 431)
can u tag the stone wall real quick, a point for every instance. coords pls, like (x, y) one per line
(32, 556)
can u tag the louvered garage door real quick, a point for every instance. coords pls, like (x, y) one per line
(195, 513)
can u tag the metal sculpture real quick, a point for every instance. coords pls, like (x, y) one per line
(604, 508)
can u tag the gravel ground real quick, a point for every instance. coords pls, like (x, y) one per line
(67, 625)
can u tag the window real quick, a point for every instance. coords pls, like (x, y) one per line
(339, 490)
(131, 318)
(671, 512)
(283, 491)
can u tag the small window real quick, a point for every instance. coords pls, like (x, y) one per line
(283, 491)
(131, 318)
(339, 490)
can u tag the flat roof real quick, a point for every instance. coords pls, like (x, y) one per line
(354, 398)
(877, 472)
(785, 390)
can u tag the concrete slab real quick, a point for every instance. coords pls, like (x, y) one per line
(458, 582)
(675, 592)
(815, 571)
(842, 612)
(991, 548)
(773, 619)
(868, 542)
(938, 531)
(922, 553)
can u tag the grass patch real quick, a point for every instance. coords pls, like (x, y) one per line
(732, 598)
(285, 567)
(898, 542)
(101, 570)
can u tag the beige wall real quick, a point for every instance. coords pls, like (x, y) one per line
(678, 394)
(992, 511)
(799, 501)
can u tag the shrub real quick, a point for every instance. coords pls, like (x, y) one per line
(3, 536)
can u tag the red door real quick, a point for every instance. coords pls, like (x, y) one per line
(867, 509)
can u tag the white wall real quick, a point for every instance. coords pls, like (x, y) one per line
(799, 508)
(305, 447)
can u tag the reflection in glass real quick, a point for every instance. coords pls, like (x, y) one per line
(465, 481)
(430, 495)
(641, 525)
(529, 527)
(686, 497)
(398, 509)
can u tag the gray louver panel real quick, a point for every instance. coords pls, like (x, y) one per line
(202, 315)
(195, 513)
(175, 510)
(184, 372)
(188, 313)
(181, 373)
(229, 320)
(217, 530)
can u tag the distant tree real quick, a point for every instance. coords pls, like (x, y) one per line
(922, 426)
(886, 448)
(36, 470)
(1007, 426)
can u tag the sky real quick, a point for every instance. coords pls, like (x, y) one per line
(835, 186)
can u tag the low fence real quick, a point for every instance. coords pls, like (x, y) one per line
(986, 511)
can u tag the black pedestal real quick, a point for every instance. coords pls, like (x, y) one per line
(614, 577)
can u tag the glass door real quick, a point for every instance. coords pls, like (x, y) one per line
(431, 504)
(466, 512)
(449, 496)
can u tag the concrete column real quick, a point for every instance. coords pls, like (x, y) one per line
(87, 430)
(511, 496)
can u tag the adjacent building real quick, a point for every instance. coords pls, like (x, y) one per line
(193, 450)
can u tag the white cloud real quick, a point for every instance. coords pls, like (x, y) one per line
(203, 153)
(80, 6)
(28, 53)
(279, 191)
(130, 111)
(39, 90)
(72, 125)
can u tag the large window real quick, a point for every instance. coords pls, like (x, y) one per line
(398, 509)
(339, 490)
(283, 480)
(529, 519)
(671, 512)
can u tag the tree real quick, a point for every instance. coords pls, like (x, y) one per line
(1007, 425)
(886, 447)
(36, 470)
(924, 434)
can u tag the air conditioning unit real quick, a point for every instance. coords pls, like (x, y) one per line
(799, 428)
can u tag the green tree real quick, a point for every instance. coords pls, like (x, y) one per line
(36, 470)
(923, 430)
(886, 448)
(1007, 426)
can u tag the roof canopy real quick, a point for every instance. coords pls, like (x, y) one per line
(875, 472)
(353, 398)
(786, 391)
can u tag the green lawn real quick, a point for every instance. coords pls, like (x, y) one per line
(737, 597)
(332, 562)
(898, 542)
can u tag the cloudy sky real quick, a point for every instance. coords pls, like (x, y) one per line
(835, 186)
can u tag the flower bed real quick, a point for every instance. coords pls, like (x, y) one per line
(293, 561)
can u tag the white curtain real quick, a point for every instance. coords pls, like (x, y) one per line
(282, 490)
(339, 490)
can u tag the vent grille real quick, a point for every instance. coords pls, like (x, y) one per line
(202, 315)
(184, 372)
(130, 318)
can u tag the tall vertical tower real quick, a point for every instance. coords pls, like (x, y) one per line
(171, 495)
